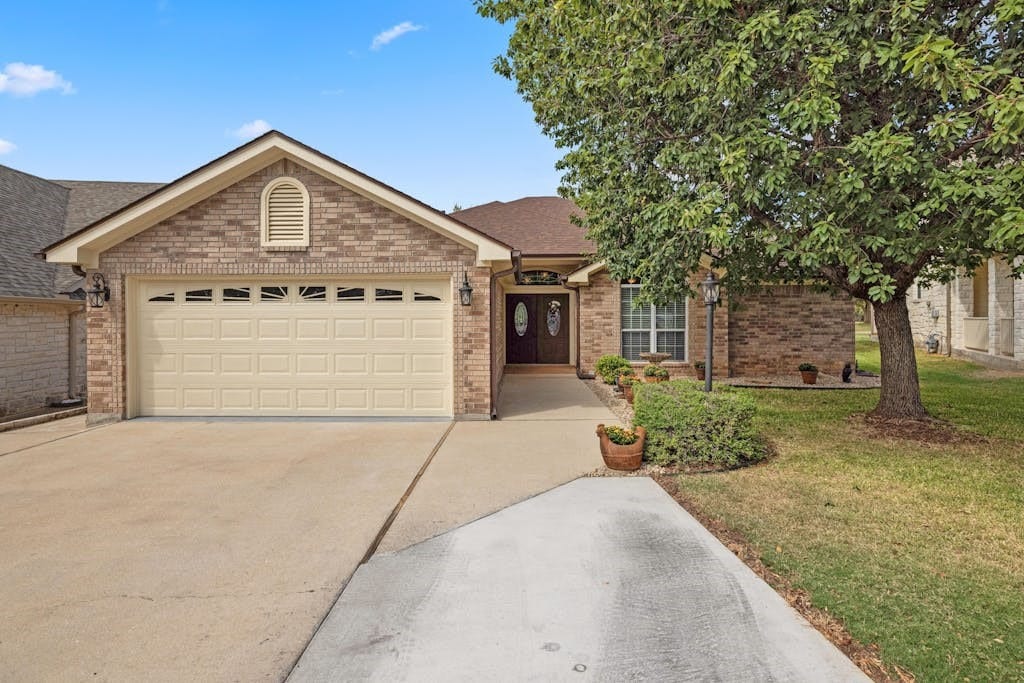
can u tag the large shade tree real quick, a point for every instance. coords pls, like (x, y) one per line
(863, 145)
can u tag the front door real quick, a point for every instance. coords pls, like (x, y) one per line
(537, 328)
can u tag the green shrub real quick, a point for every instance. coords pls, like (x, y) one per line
(655, 371)
(808, 367)
(688, 427)
(608, 367)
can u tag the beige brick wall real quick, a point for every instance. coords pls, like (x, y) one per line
(349, 234)
(601, 334)
(777, 329)
(34, 358)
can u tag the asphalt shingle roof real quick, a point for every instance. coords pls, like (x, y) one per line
(538, 226)
(35, 212)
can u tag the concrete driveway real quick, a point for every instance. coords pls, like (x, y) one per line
(602, 579)
(185, 550)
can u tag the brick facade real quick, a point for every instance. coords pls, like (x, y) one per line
(773, 331)
(770, 332)
(349, 234)
(37, 364)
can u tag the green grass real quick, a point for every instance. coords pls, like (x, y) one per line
(917, 547)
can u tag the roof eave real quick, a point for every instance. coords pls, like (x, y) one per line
(84, 246)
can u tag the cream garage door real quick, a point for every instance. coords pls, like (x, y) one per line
(314, 347)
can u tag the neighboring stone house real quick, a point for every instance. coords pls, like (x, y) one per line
(42, 321)
(278, 281)
(979, 316)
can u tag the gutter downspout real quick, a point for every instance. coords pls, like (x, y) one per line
(494, 303)
(576, 290)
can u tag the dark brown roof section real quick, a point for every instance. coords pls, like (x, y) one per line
(237, 150)
(538, 226)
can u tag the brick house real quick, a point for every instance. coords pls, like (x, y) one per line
(278, 281)
(42, 308)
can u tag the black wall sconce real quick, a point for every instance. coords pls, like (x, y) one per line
(100, 291)
(465, 291)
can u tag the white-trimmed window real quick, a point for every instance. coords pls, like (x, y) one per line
(650, 328)
(284, 214)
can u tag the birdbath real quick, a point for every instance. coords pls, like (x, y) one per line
(655, 358)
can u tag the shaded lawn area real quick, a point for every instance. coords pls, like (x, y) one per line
(917, 547)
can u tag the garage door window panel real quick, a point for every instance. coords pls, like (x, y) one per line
(199, 296)
(351, 294)
(312, 293)
(273, 294)
(166, 298)
(237, 295)
(384, 294)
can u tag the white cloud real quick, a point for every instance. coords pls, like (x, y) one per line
(25, 80)
(385, 37)
(7, 147)
(250, 130)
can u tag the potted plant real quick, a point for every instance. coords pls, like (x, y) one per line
(627, 388)
(621, 448)
(655, 373)
(809, 372)
(698, 368)
(608, 367)
(625, 377)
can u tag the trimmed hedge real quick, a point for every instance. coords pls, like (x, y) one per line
(607, 367)
(688, 427)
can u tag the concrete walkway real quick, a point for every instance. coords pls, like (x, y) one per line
(598, 580)
(545, 438)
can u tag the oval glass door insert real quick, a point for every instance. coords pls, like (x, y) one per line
(520, 319)
(554, 318)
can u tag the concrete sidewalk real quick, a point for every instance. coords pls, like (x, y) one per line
(544, 439)
(598, 580)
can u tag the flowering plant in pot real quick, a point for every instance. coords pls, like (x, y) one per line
(809, 372)
(625, 377)
(621, 448)
(655, 373)
(698, 368)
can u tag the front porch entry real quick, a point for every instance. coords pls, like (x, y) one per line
(537, 329)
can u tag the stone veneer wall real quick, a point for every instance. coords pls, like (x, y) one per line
(349, 234)
(773, 331)
(34, 355)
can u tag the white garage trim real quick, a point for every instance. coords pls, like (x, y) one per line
(347, 346)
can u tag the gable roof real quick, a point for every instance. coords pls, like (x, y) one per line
(84, 245)
(537, 226)
(34, 212)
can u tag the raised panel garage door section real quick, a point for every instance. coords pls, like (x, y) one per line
(283, 348)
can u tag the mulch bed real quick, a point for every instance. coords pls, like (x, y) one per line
(866, 657)
(928, 432)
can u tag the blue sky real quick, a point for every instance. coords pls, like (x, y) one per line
(148, 91)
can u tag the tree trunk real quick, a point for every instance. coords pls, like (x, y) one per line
(901, 390)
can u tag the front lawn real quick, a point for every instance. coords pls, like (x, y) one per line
(916, 544)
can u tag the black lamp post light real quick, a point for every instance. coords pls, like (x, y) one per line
(99, 292)
(465, 291)
(710, 290)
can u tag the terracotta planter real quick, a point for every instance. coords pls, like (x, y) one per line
(700, 373)
(627, 392)
(653, 380)
(622, 380)
(810, 376)
(618, 457)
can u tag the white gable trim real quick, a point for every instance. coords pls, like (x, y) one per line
(582, 276)
(84, 248)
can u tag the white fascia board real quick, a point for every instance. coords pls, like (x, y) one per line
(582, 276)
(84, 249)
(487, 249)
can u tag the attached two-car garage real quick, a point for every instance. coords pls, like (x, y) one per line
(314, 346)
